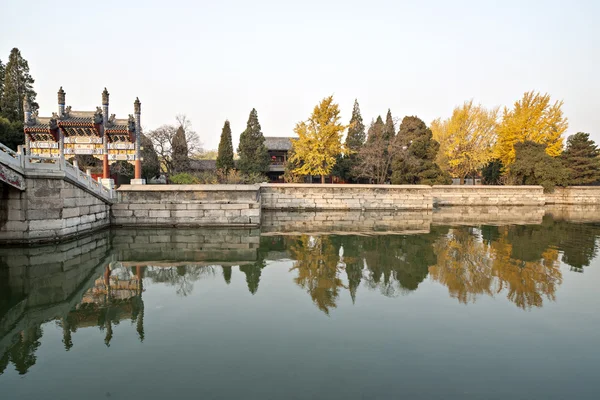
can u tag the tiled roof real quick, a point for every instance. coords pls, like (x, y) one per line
(117, 127)
(37, 127)
(278, 143)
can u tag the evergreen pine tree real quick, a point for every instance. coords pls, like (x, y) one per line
(11, 133)
(150, 162)
(355, 139)
(389, 130)
(180, 158)
(2, 72)
(376, 128)
(582, 158)
(225, 154)
(415, 164)
(533, 166)
(18, 84)
(356, 130)
(254, 158)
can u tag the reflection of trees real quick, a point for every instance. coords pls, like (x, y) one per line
(227, 274)
(390, 263)
(470, 266)
(182, 277)
(253, 272)
(22, 353)
(116, 296)
(316, 262)
(463, 264)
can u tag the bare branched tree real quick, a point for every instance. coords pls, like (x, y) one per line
(162, 139)
(375, 157)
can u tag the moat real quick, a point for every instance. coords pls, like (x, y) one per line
(463, 311)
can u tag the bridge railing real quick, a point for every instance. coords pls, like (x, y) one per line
(40, 164)
(10, 157)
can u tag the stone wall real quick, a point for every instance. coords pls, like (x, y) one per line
(48, 281)
(49, 209)
(487, 195)
(574, 195)
(187, 205)
(345, 197)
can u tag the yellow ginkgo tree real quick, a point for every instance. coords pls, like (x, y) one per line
(466, 139)
(533, 118)
(319, 140)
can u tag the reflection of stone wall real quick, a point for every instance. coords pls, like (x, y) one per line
(50, 280)
(49, 209)
(574, 195)
(488, 195)
(345, 221)
(488, 215)
(575, 213)
(345, 197)
(183, 245)
(193, 205)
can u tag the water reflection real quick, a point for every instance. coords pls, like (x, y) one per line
(100, 282)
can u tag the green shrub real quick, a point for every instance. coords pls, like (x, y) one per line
(184, 179)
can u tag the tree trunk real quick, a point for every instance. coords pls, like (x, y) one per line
(462, 180)
(322, 179)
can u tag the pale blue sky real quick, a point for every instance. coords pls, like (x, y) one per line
(219, 59)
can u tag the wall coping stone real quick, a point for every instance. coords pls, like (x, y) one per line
(485, 187)
(188, 188)
(341, 186)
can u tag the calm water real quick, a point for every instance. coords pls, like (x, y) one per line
(463, 312)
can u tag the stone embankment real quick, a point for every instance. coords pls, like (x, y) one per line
(50, 209)
(58, 204)
(187, 205)
(345, 197)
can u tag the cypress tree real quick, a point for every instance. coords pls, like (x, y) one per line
(254, 158)
(225, 154)
(356, 130)
(2, 72)
(355, 139)
(376, 128)
(389, 130)
(18, 84)
(180, 159)
(415, 164)
(533, 166)
(150, 162)
(581, 157)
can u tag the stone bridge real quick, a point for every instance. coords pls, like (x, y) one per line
(43, 199)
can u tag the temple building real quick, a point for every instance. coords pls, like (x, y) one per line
(68, 133)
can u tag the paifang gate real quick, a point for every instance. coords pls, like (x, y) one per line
(99, 134)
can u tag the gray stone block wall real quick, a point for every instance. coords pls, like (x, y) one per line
(50, 209)
(345, 197)
(187, 205)
(576, 195)
(488, 195)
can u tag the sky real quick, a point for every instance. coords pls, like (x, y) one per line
(216, 60)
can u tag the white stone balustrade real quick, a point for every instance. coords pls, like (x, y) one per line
(39, 166)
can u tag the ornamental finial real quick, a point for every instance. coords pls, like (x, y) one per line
(105, 95)
(137, 106)
(61, 96)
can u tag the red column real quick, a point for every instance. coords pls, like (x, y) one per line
(105, 168)
(138, 169)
